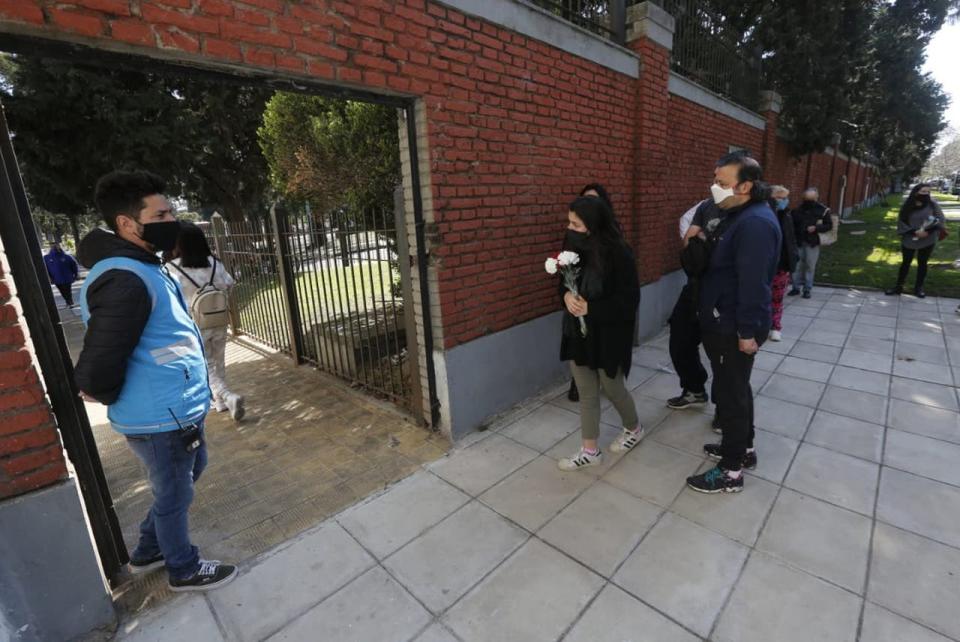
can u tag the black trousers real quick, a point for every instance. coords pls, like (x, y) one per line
(685, 342)
(923, 256)
(733, 395)
(66, 291)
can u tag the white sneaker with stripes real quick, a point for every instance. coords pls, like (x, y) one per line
(627, 440)
(582, 459)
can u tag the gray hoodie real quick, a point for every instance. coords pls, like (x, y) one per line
(915, 219)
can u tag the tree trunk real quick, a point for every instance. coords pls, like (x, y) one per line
(75, 229)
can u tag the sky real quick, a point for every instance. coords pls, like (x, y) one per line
(943, 61)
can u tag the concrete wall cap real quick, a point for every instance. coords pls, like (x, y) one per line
(771, 101)
(647, 20)
(689, 90)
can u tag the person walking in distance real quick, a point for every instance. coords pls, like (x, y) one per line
(607, 299)
(200, 274)
(142, 357)
(62, 270)
(919, 225)
(734, 307)
(788, 258)
(809, 220)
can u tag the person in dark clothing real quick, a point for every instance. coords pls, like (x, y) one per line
(734, 309)
(599, 191)
(788, 258)
(143, 358)
(918, 225)
(63, 271)
(684, 324)
(809, 220)
(609, 293)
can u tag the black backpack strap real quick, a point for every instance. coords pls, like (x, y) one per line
(213, 272)
(178, 269)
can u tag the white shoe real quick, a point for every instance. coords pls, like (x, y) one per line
(220, 406)
(235, 405)
(627, 440)
(580, 460)
(775, 335)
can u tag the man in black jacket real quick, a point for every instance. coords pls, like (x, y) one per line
(809, 220)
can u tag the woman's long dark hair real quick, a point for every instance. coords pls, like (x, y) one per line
(605, 237)
(604, 196)
(192, 247)
(910, 204)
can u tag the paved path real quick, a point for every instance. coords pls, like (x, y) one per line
(848, 530)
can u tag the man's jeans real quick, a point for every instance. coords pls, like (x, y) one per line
(806, 266)
(172, 472)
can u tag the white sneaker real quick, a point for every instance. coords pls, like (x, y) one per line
(220, 406)
(580, 460)
(627, 440)
(235, 405)
(775, 335)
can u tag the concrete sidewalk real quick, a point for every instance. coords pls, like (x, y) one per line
(848, 530)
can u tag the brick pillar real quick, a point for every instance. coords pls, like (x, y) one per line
(31, 456)
(771, 104)
(650, 34)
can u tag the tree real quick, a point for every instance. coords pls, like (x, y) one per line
(947, 161)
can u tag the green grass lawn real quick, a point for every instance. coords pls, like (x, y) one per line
(871, 260)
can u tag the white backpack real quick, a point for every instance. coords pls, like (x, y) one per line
(211, 305)
(829, 238)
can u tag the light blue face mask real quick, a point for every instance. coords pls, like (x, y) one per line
(783, 203)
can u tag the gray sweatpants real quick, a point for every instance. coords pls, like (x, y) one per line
(589, 383)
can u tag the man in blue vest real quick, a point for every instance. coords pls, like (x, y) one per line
(143, 357)
(734, 311)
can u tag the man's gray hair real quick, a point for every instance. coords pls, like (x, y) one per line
(776, 189)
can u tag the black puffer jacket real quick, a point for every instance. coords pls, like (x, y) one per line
(120, 306)
(811, 213)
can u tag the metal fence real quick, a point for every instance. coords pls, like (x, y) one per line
(606, 18)
(707, 51)
(327, 290)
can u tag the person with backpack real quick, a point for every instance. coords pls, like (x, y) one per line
(920, 225)
(206, 284)
(142, 357)
(810, 220)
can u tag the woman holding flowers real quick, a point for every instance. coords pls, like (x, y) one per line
(598, 327)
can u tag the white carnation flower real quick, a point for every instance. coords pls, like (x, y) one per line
(568, 258)
(551, 265)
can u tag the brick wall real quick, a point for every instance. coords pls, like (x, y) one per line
(31, 456)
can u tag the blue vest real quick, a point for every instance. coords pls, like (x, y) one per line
(167, 373)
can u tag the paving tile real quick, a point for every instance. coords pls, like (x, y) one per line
(774, 453)
(820, 538)
(686, 431)
(775, 602)
(918, 352)
(651, 357)
(535, 595)
(839, 479)
(739, 517)
(653, 472)
(866, 361)
(924, 420)
(767, 360)
(281, 586)
(868, 344)
(650, 411)
(923, 456)
(823, 337)
(846, 435)
(805, 369)
(920, 505)
(390, 520)
(929, 338)
(923, 392)
(572, 444)
(662, 386)
(561, 400)
(873, 331)
(826, 325)
(441, 565)
(601, 527)
(638, 375)
(543, 427)
(794, 390)
(185, 619)
(683, 570)
(816, 352)
(833, 314)
(780, 347)
(782, 417)
(616, 616)
(347, 615)
(758, 379)
(880, 625)
(931, 372)
(867, 318)
(854, 403)
(533, 495)
(482, 465)
(436, 633)
(862, 380)
(917, 578)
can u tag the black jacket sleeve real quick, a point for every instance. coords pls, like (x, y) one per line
(790, 257)
(120, 306)
(621, 294)
(826, 221)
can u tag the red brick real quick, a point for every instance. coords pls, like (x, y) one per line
(10, 379)
(25, 440)
(35, 480)
(252, 17)
(132, 31)
(221, 49)
(21, 11)
(321, 69)
(246, 33)
(291, 62)
(346, 74)
(259, 57)
(372, 62)
(26, 420)
(31, 461)
(82, 23)
(219, 8)
(307, 45)
(273, 5)
(14, 359)
(289, 25)
(116, 7)
(173, 38)
(187, 22)
(11, 336)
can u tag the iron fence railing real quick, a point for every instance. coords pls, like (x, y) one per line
(709, 52)
(606, 18)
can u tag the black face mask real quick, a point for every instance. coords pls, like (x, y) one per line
(923, 199)
(162, 236)
(576, 241)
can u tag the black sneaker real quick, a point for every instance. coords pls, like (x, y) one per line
(713, 452)
(793, 292)
(919, 293)
(212, 574)
(139, 567)
(715, 426)
(894, 291)
(688, 400)
(806, 294)
(715, 480)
